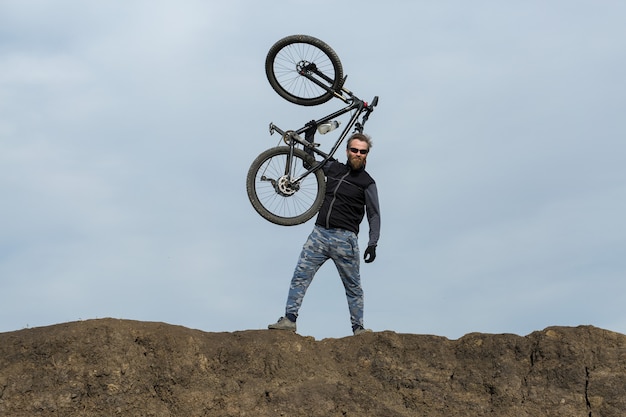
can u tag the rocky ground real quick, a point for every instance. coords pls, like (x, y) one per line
(111, 367)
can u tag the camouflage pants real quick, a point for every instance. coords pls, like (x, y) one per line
(342, 247)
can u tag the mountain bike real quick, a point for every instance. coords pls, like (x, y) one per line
(286, 184)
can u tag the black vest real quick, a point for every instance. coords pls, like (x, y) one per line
(344, 202)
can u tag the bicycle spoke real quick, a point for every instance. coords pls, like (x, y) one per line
(274, 199)
(304, 70)
(291, 60)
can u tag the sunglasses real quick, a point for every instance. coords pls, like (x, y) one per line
(361, 151)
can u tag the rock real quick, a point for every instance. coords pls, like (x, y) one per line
(110, 367)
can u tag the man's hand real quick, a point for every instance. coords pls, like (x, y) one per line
(370, 254)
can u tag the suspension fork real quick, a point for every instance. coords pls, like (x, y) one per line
(312, 69)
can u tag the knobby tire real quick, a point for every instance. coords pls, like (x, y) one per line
(290, 57)
(284, 210)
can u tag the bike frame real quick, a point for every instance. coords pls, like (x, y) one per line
(293, 138)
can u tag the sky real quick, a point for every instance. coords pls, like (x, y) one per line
(127, 129)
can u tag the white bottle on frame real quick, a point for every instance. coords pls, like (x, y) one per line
(328, 126)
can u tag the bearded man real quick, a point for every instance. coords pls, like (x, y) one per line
(350, 194)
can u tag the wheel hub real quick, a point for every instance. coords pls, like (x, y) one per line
(285, 187)
(305, 67)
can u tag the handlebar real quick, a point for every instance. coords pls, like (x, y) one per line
(368, 109)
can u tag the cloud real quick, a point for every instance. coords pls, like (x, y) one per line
(127, 130)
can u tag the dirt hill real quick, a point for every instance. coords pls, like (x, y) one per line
(126, 368)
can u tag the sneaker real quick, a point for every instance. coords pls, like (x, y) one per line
(360, 330)
(283, 323)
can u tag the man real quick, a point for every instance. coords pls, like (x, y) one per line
(350, 194)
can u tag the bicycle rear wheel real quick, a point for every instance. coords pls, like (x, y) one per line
(274, 198)
(304, 70)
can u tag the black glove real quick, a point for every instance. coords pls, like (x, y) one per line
(370, 254)
(309, 134)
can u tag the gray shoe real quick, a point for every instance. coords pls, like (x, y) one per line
(361, 330)
(283, 323)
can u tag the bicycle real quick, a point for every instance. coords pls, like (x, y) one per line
(286, 184)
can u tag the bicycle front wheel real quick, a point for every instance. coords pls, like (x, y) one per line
(304, 70)
(274, 197)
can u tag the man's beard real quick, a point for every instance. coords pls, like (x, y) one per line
(356, 163)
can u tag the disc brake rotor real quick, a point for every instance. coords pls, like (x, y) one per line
(285, 187)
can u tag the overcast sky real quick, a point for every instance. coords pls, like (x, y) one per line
(127, 129)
